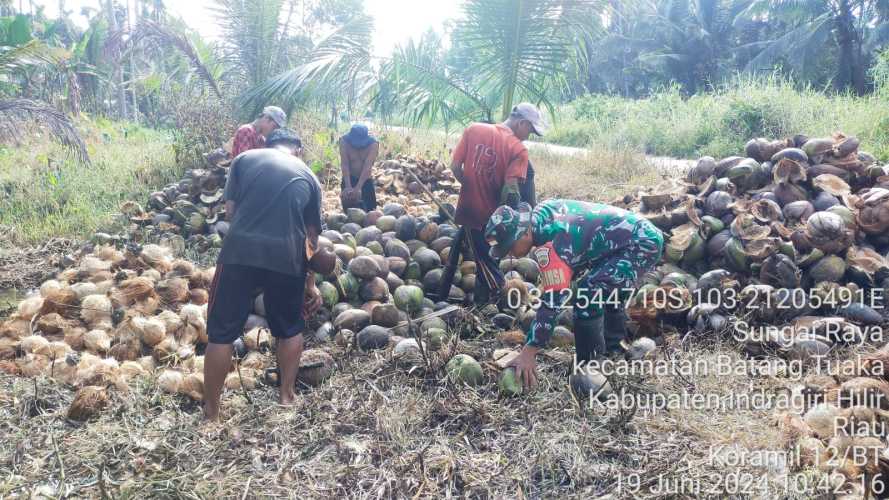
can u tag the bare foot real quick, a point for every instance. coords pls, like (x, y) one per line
(211, 412)
(287, 397)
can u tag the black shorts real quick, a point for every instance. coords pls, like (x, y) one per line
(232, 296)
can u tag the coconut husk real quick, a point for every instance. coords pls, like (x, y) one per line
(92, 265)
(198, 296)
(258, 339)
(10, 367)
(125, 351)
(246, 379)
(146, 307)
(172, 291)
(36, 344)
(63, 301)
(193, 386)
(130, 370)
(110, 254)
(134, 290)
(88, 402)
(52, 324)
(15, 328)
(165, 350)
(201, 278)
(50, 286)
(170, 381)
(97, 341)
(95, 311)
(831, 184)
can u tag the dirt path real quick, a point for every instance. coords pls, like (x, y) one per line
(664, 164)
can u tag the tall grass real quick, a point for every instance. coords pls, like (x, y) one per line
(720, 122)
(44, 193)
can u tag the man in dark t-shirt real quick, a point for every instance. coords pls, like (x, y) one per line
(274, 204)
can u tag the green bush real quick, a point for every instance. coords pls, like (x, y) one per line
(720, 122)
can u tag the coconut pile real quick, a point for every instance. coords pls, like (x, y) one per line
(119, 316)
(793, 231)
(193, 207)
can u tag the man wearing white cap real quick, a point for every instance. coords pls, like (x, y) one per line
(252, 135)
(491, 164)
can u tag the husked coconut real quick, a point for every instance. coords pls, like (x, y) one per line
(62, 369)
(164, 349)
(88, 401)
(33, 365)
(97, 341)
(245, 380)
(821, 418)
(152, 274)
(74, 337)
(49, 286)
(151, 330)
(83, 289)
(51, 324)
(35, 344)
(170, 381)
(63, 302)
(96, 311)
(172, 321)
(258, 339)
(130, 370)
(15, 328)
(30, 307)
(315, 366)
(147, 363)
(172, 291)
(134, 290)
(255, 360)
(193, 386)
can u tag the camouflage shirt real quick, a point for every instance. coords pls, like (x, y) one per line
(616, 245)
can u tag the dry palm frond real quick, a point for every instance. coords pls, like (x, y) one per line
(17, 114)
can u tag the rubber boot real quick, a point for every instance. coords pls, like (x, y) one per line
(615, 328)
(589, 339)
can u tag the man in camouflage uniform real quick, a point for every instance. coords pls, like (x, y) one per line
(612, 246)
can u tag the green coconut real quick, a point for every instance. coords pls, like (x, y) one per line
(397, 248)
(432, 280)
(414, 245)
(406, 228)
(329, 295)
(464, 369)
(712, 224)
(336, 220)
(696, 250)
(845, 213)
(364, 267)
(356, 215)
(427, 259)
(436, 338)
(433, 323)
(734, 254)
(386, 223)
(830, 268)
(509, 384)
(350, 285)
(344, 252)
(673, 254)
(409, 298)
(376, 247)
(397, 265)
(467, 267)
(367, 234)
(467, 283)
(393, 281)
(528, 268)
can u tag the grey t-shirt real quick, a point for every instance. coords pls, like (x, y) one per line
(276, 196)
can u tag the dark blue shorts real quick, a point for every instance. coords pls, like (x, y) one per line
(232, 296)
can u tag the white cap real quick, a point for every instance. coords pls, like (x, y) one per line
(528, 111)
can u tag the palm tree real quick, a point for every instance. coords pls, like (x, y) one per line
(17, 115)
(853, 28)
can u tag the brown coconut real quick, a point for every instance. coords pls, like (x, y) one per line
(63, 301)
(170, 381)
(193, 386)
(172, 291)
(96, 311)
(315, 366)
(88, 402)
(198, 296)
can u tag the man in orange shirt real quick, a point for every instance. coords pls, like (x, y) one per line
(490, 162)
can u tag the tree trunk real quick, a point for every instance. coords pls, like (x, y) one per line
(848, 60)
(118, 65)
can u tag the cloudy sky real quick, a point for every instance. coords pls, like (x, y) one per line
(395, 20)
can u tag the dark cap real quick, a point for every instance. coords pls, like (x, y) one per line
(283, 136)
